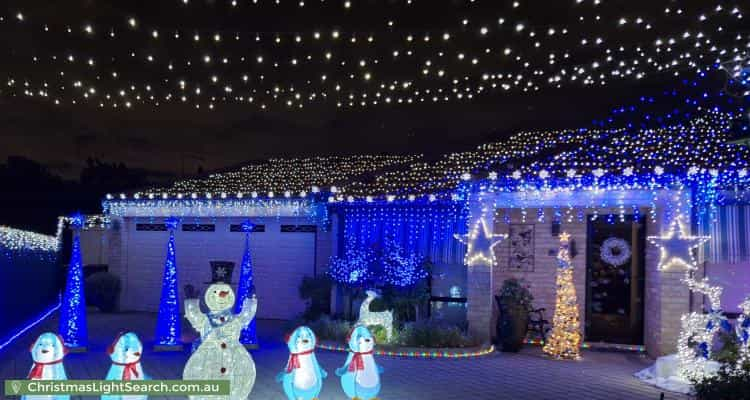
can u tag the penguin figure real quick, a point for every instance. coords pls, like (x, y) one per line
(303, 377)
(47, 352)
(125, 352)
(360, 375)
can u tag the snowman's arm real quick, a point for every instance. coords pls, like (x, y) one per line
(249, 307)
(194, 315)
(341, 371)
(323, 373)
(380, 368)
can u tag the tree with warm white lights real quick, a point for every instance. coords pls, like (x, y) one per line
(565, 340)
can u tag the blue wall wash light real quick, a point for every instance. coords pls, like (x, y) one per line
(246, 288)
(168, 321)
(73, 309)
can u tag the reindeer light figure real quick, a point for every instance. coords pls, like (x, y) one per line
(382, 318)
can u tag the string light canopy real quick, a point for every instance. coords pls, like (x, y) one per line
(205, 54)
(691, 150)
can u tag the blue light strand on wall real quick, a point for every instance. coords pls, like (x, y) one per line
(6, 342)
(417, 228)
(169, 318)
(246, 288)
(72, 324)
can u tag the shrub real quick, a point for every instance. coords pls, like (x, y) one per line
(103, 291)
(326, 328)
(729, 351)
(379, 333)
(317, 293)
(515, 291)
(724, 386)
(431, 333)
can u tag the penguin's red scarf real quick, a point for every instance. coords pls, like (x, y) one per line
(293, 362)
(38, 369)
(358, 364)
(130, 369)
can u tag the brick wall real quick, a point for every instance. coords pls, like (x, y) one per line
(666, 297)
(542, 279)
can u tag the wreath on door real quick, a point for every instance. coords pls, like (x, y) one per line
(615, 251)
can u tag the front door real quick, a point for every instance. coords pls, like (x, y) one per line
(614, 280)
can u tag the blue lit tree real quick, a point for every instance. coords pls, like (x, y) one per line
(402, 269)
(168, 320)
(404, 275)
(353, 270)
(73, 309)
(246, 287)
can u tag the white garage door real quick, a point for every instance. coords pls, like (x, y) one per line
(280, 261)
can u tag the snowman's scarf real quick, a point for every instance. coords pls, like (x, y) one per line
(214, 321)
(38, 370)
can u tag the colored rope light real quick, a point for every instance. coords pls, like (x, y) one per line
(596, 345)
(417, 354)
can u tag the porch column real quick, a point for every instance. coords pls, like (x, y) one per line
(479, 302)
(667, 297)
(480, 259)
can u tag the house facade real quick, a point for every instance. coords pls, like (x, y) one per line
(612, 191)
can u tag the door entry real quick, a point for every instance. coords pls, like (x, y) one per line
(614, 281)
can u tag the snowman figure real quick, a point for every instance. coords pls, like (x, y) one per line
(125, 352)
(47, 352)
(220, 355)
(302, 378)
(360, 375)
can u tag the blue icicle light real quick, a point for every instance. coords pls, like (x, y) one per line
(168, 321)
(246, 287)
(73, 310)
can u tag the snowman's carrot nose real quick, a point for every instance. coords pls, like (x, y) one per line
(223, 293)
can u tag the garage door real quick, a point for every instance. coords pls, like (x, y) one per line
(283, 253)
(283, 256)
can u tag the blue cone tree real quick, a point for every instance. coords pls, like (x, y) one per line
(73, 308)
(168, 320)
(246, 288)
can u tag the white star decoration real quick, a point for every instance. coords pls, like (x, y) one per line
(480, 242)
(676, 246)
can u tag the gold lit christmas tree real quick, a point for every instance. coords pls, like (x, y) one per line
(565, 340)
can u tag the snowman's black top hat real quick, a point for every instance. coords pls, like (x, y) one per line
(221, 271)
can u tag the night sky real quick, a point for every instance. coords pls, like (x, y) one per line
(165, 134)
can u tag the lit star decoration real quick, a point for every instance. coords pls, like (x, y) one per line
(677, 246)
(169, 318)
(246, 287)
(695, 342)
(565, 339)
(72, 325)
(480, 243)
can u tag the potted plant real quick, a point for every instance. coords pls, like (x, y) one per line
(514, 301)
